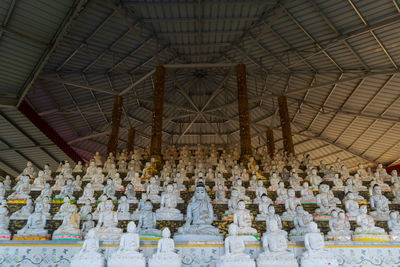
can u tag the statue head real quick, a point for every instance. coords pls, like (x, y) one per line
(148, 206)
(99, 171)
(291, 192)
(78, 177)
(324, 188)
(41, 173)
(334, 213)
(72, 209)
(123, 199)
(29, 164)
(239, 182)
(313, 227)
(144, 196)
(38, 208)
(342, 215)
(363, 209)
(87, 202)
(29, 202)
(281, 185)
(299, 209)
(260, 183)
(69, 182)
(233, 229)
(241, 205)
(394, 173)
(66, 199)
(377, 190)
(166, 233)
(314, 171)
(394, 215)
(108, 206)
(131, 228)
(200, 192)
(380, 166)
(234, 193)
(350, 196)
(109, 181)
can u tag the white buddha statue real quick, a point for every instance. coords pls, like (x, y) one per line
(78, 168)
(148, 220)
(294, 181)
(97, 159)
(259, 191)
(97, 180)
(394, 225)
(77, 183)
(165, 255)
(394, 177)
(168, 203)
(379, 204)
(89, 254)
(117, 182)
(87, 225)
(307, 195)
(339, 227)
(199, 217)
(352, 207)
(282, 193)
(7, 182)
(315, 179)
(274, 180)
(39, 182)
(69, 229)
(24, 212)
(337, 183)
(325, 200)
(153, 190)
(109, 190)
(315, 254)
(86, 209)
(351, 188)
(123, 209)
(220, 195)
(67, 190)
(35, 224)
(64, 209)
(128, 251)
(45, 192)
(366, 223)
(301, 223)
(106, 228)
(60, 182)
(4, 223)
(263, 208)
(22, 190)
(235, 255)
(290, 206)
(275, 246)
(243, 220)
(88, 194)
(130, 193)
(232, 202)
(28, 171)
(396, 192)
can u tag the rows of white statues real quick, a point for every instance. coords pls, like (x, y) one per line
(107, 189)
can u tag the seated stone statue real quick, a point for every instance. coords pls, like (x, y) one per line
(199, 217)
(106, 228)
(22, 190)
(148, 220)
(127, 253)
(78, 168)
(366, 223)
(109, 190)
(379, 204)
(39, 182)
(242, 219)
(4, 223)
(241, 190)
(24, 212)
(88, 194)
(165, 255)
(260, 190)
(290, 206)
(7, 182)
(90, 171)
(315, 179)
(64, 209)
(35, 225)
(220, 195)
(294, 181)
(301, 224)
(235, 255)
(307, 195)
(87, 225)
(89, 254)
(325, 200)
(352, 207)
(274, 180)
(315, 254)
(77, 184)
(351, 188)
(272, 217)
(282, 193)
(276, 252)
(130, 194)
(60, 182)
(232, 202)
(123, 209)
(339, 227)
(97, 180)
(337, 183)
(46, 192)
(153, 190)
(167, 210)
(85, 209)
(67, 190)
(263, 208)
(394, 225)
(69, 229)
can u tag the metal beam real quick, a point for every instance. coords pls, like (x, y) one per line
(8, 16)
(24, 36)
(200, 65)
(20, 153)
(7, 168)
(133, 85)
(69, 18)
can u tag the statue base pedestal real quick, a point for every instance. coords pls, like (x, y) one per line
(250, 238)
(5, 237)
(282, 259)
(144, 237)
(322, 217)
(16, 201)
(194, 238)
(374, 237)
(67, 237)
(92, 262)
(61, 200)
(296, 238)
(165, 260)
(236, 260)
(32, 237)
(118, 260)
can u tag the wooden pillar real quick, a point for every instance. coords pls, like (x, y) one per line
(285, 124)
(270, 143)
(158, 103)
(131, 140)
(244, 117)
(112, 144)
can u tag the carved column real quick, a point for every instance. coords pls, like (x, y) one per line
(112, 144)
(285, 123)
(244, 117)
(156, 130)
(270, 143)
(130, 140)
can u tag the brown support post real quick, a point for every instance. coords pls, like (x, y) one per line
(270, 143)
(156, 130)
(244, 117)
(285, 124)
(131, 140)
(112, 144)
